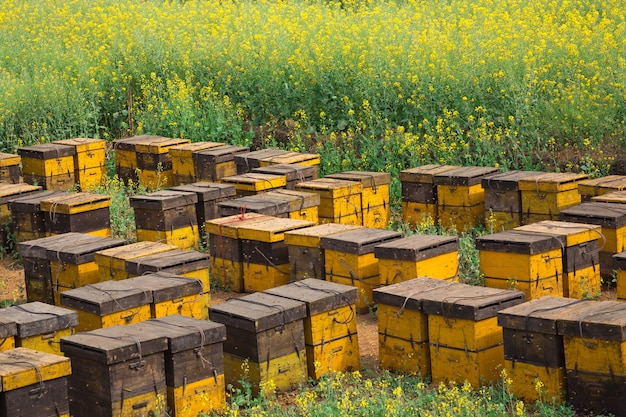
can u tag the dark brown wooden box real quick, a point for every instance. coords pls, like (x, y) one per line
(37, 318)
(591, 393)
(264, 253)
(464, 176)
(215, 163)
(248, 161)
(417, 247)
(210, 194)
(177, 261)
(27, 216)
(360, 241)
(165, 210)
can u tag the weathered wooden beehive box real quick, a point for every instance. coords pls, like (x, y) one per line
(461, 197)
(225, 251)
(580, 254)
(112, 262)
(27, 216)
(265, 254)
(330, 332)
(611, 218)
(89, 161)
(618, 197)
(40, 326)
(599, 186)
(465, 340)
(126, 161)
(418, 256)
(49, 165)
(34, 384)
(533, 349)
(290, 204)
(350, 260)
(8, 331)
(264, 334)
(194, 364)
(247, 161)
(210, 194)
(168, 217)
(546, 194)
(294, 173)
(529, 262)
(116, 371)
(213, 164)
(173, 294)
(301, 158)
(155, 163)
(10, 168)
(83, 212)
(403, 326)
(594, 340)
(340, 200)
(503, 199)
(183, 163)
(619, 266)
(304, 247)
(254, 183)
(9, 192)
(374, 196)
(419, 193)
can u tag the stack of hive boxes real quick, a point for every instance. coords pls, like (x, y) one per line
(546, 194)
(126, 161)
(112, 262)
(340, 200)
(10, 168)
(82, 212)
(28, 218)
(8, 193)
(183, 161)
(89, 161)
(48, 165)
(210, 195)
(155, 163)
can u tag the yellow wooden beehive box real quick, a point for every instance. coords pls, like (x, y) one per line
(304, 246)
(599, 186)
(247, 161)
(580, 254)
(618, 197)
(112, 262)
(49, 165)
(350, 260)
(290, 204)
(89, 161)
(216, 163)
(619, 265)
(34, 383)
(254, 183)
(403, 326)
(294, 173)
(265, 254)
(126, 162)
(466, 343)
(210, 194)
(330, 331)
(155, 163)
(82, 212)
(8, 193)
(10, 168)
(40, 326)
(340, 200)
(27, 216)
(183, 164)
(416, 256)
(292, 158)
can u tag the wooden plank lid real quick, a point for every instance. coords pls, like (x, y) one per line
(256, 181)
(165, 286)
(260, 203)
(552, 182)
(610, 215)
(539, 315)
(258, 312)
(330, 187)
(8, 328)
(22, 367)
(46, 151)
(271, 230)
(408, 294)
(417, 247)
(174, 260)
(187, 149)
(159, 145)
(595, 319)
(73, 203)
(36, 318)
(517, 241)
(129, 144)
(83, 144)
(311, 236)
(38, 248)
(506, 181)
(163, 200)
(292, 158)
(252, 159)
(618, 197)
(8, 159)
(568, 233)
(229, 226)
(318, 295)
(218, 154)
(106, 297)
(31, 203)
(293, 172)
(601, 185)
(369, 179)
(80, 248)
(298, 200)
(463, 176)
(185, 333)
(208, 191)
(425, 173)
(10, 192)
(359, 241)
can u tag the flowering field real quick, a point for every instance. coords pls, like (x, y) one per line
(369, 84)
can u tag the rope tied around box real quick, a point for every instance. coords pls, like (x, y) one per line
(135, 365)
(41, 391)
(611, 309)
(420, 291)
(342, 296)
(299, 196)
(116, 301)
(67, 324)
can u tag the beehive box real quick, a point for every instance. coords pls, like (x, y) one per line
(330, 332)
(107, 304)
(89, 161)
(350, 260)
(580, 254)
(503, 199)
(8, 331)
(419, 193)
(417, 256)
(529, 262)
(312, 159)
(461, 197)
(254, 183)
(216, 163)
(168, 217)
(40, 326)
(126, 162)
(466, 343)
(83, 212)
(183, 164)
(403, 326)
(26, 214)
(10, 168)
(112, 262)
(210, 194)
(194, 364)
(247, 161)
(278, 203)
(374, 195)
(619, 265)
(533, 349)
(128, 362)
(265, 254)
(266, 332)
(49, 165)
(340, 200)
(155, 163)
(173, 294)
(34, 384)
(294, 173)
(304, 247)
(546, 194)
(618, 197)
(226, 255)
(611, 218)
(72, 263)
(9, 192)
(598, 186)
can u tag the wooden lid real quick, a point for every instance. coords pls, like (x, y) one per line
(424, 173)
(610, 215)
(218, 154)
(129, 144)
(73, 203)
(594, 319)
(318, 295)
(83, 144)
(271, 230)
(8, 328)
(163, 200)
(408, 294)
(79, 248)
(46, 151)
(568, 233)
(252, 159)
(255, 181)
(369, 179)
(31, 203)
(37, 318)
(258, 312)
(134, 250)
(618, 197)
(229, 226)
(359, 241)
(417, 247)
(260, 203)
(9, 192)
(330, 187)
(165, 286)
(463, 176)
(311, 236)
(159, 145)
(38, 248)
(601, 185)
(552, 182)
(22, 367)
(539, 315)
(298, 200)
(106, 297)
(208, 191)
(185, 333)
(293, 172)
(516, 241)
(292, 158)
(506, 181)
(175, 261)
(8, 159)
(189, 148)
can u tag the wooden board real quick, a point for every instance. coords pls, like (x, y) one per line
(358, 241)
(417, 247)
(247, 161)
(408, 294)
(319, 296)
(177, 261)
(312, 236)
(106, 297)
(45, 151)
(159, 145)
(517, 241)
(37, 318)
(537, 316)
(331, 188)
(23, 367)
(292, 158)
(424, 173)
(293, 172)
(568, 233)
(552, 182)
(609, 215)
(163, 200)
(466, 176)
(271, 229)
(78, 248)
(506, 181)
(601, 185)
(369, 179)
(595, 319)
